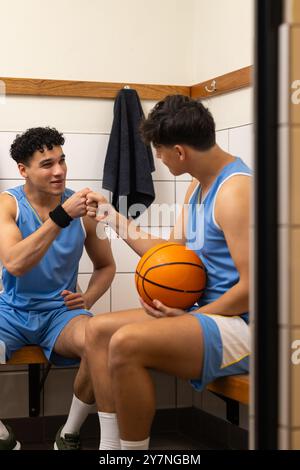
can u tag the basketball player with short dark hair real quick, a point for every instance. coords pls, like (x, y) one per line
(211, 339)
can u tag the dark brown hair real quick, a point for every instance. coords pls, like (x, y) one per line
(179, 120)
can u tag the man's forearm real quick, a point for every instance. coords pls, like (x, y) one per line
(25, 254)
(136, 238)
(100, 281)
(234, 302)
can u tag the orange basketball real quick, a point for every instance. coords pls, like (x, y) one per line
(171, 273)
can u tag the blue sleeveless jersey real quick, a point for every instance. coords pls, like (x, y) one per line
(39, 289)
(207, 239)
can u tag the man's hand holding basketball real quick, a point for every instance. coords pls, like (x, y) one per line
(161, 310)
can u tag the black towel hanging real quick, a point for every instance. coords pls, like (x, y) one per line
(129, 162)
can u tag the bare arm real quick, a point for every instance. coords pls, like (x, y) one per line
(134, 236)
(99, 251)
(19, 255)
(232, 215)
(139, 240)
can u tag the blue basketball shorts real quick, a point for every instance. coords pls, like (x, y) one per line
(20, 328)
(226, 347)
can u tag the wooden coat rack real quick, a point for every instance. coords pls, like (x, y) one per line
(107, 90)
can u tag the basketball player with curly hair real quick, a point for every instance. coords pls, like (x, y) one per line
(44, 229)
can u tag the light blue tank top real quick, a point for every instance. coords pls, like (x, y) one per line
(207, 239)
(40, 288)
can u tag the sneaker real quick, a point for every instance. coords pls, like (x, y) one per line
(69, 442)
(10, 443)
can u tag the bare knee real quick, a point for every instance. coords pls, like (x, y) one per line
(71, 341)
(98, 331)
(125, 347)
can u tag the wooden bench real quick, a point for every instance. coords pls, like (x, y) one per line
(233, 389)
(28, 355)
(33, 356)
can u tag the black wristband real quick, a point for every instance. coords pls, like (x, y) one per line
(60, 217)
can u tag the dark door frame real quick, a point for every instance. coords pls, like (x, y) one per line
(268, 17)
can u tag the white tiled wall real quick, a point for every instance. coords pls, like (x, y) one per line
(85, 159)
(241, 141)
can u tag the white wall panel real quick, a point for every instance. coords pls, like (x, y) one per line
(223, 37)
(106, 41)
(162, 172)
(8, 184)
(77, 185)
(85, 155)
(126, 259)
(124, 293)
(8, 167)
(222, 139)
(232, 109)
(162, 210)
(241, 143)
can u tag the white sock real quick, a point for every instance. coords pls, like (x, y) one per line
(77, 415)
(135, 445)
(3, 431)
(109, 429)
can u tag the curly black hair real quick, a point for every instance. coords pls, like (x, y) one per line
(178, 119)
(36, 138)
